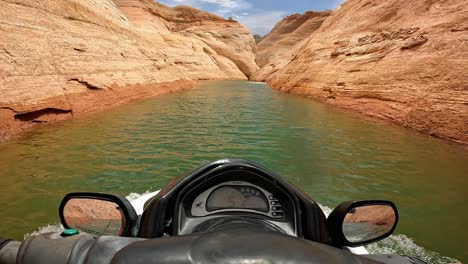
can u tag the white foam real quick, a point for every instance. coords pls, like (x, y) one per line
(403, 245)
(326, 210)
(133, 196)
(45, 229)
(138, 200)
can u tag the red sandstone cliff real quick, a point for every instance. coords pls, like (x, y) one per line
(59, 59)
(287, 33)
(403, 61)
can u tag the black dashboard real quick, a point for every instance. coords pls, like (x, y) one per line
(212, 202)
(232, 193)
(236, 196)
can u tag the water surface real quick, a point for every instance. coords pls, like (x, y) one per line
(332, 154)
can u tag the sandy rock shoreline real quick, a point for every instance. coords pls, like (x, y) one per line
(15, 119)
(403, 62)
(61, 59)
(376, 111)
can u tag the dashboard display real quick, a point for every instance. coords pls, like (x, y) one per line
(237, 197)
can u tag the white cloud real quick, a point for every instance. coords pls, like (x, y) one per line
(337, 3)
(262, 22)
(229, 4)
(220, 7)
(258, 21)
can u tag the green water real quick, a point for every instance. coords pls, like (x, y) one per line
(332, 154)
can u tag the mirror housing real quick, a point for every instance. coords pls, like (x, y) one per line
(116, 210)
(357, 223)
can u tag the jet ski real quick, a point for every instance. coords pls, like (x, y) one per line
(228, 211)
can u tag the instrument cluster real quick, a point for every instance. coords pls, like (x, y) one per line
(237, 196)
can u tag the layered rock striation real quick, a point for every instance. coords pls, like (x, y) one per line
(406, 62)
(62, 59)
(286, 34)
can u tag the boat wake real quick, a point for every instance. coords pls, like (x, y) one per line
(45, 229)
(133, 196)
(395, 244)
(403, 245)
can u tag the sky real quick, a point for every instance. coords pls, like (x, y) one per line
(258, 15)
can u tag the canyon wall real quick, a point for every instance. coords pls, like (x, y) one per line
(59, 59)
(402, 61)
(286, 34)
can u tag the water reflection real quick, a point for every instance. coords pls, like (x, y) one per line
(368, 222)
(97, 217)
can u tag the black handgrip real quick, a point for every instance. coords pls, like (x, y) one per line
(8, 251)
(3, 242)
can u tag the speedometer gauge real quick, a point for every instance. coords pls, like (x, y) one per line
(237, 197)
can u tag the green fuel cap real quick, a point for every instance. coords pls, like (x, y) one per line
(69, 232)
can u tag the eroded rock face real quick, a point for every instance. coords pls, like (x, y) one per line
(219, 41)
(286, 34)
(399, 61)
(59, 59)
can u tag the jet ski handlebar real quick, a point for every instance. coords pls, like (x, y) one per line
(232, 246)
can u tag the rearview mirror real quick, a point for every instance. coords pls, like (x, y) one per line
(362, 222)
(98, 214)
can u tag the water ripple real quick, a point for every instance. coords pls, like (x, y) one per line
(333, 155)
